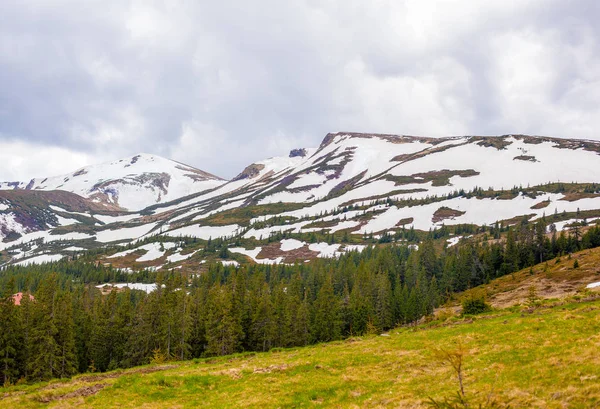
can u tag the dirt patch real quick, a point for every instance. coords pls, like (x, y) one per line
(233, 373)
(444, 213)
(81, 392)
(9, 394)
(271, 368)
(111, 375)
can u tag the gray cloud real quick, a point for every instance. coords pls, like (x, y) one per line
(221, 84)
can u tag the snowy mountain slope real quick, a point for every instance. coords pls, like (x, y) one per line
(423, 174)
(132, 183)
(352, 184)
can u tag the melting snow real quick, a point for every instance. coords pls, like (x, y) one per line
(291, 244)
(62, 221)
(253, 255)
(325, 250)
(153, 252)
(74, 248)
(130, 233)
(453, 241)
(44, 258)
(204, 232)
(176, 257)
(148, 288)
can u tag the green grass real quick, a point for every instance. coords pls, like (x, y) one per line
(547, 358)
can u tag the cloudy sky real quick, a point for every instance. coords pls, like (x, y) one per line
(220, 84)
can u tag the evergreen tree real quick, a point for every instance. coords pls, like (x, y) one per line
(326, 325)
(11, 337)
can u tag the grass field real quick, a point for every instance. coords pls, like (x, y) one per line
(543, 358)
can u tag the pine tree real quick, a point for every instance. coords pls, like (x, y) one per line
(11, 338)
(66, 364)
(223, 330)
(262, 329)
(44, 352)
(384, 314)
(327, 323)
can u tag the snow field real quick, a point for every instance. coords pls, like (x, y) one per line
(44, 258)
(148, 288)
(291, 244)
(204, 232)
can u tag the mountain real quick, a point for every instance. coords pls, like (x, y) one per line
(129, 184)
(353, 189)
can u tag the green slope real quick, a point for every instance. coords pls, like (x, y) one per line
(546, 358)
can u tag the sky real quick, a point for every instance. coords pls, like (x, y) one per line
(221, 84)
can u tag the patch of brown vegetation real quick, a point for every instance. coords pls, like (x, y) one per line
(526, 158)
(437, 177)
(574, 196)
(322, 224)
(444, 213)
(384, 196)
(273, 251)
(303, 188)
(404, 222)
(498, 142)
(541, 205)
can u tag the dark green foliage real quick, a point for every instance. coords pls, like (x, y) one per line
(475, 305)
(71, 327)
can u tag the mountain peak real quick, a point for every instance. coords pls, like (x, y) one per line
(131, 183)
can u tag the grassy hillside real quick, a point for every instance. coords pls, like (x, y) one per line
(544, 358)
(556, 278)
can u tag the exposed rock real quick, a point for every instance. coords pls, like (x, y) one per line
(250, 172)
(298, 153)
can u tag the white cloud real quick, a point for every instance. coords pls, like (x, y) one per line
(22, 161)
(222, 84)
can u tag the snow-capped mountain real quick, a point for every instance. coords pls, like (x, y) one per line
(132, 184)
(353, 184)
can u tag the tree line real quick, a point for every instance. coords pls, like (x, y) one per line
(70, 327)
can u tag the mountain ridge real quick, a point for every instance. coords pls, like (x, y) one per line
(353, 185)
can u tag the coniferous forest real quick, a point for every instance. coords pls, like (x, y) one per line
(69, 327)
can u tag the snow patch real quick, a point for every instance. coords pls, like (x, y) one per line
(177, 257)
(291, 244)
(44, 258)
(204, 232)
(325, 250)
(148, 288)
(130, 233)
(253, 254)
